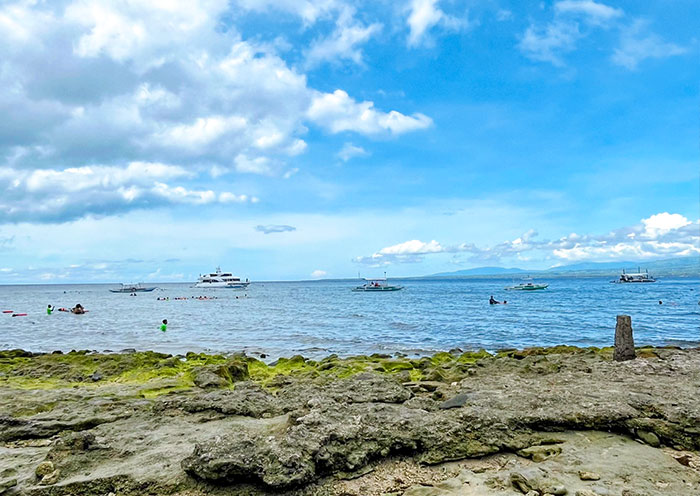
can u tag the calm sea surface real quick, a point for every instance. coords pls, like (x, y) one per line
(319, 318)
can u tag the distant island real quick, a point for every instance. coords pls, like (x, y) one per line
(672, 267)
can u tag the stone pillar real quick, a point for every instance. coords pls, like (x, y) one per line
(624, 341)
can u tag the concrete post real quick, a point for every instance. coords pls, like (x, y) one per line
(624, 340)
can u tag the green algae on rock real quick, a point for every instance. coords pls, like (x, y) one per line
(23, 369)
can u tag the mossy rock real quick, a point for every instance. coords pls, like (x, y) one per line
(208, 377)
(465, 368)
(441, 358)
(172, 362)
(307, 374)
(234, 370)
(473, 356)
(393, 365)
(606, 352)
(44, 469)
(16, 354)
(505, 351)
(295, 360)
(459, 450)
(327, 365)
(646, 352)
(434, 375)
(565, 350)
(526, 352)
(379, 356)
(423, 363)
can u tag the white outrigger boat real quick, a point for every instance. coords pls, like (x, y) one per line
(378, 284)
(527, 286)
(133, 288)
(220, 279)
(638, 276)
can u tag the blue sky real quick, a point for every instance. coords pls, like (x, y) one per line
(292, 139)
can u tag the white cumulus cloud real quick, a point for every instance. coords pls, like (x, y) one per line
(350, 151)
(412, 247)
(549, 43)
(345, 41)
(663, 223)
(407, 252)
(593, 12)
(658, 236)
(203, 131)
(576, 20)
(310, 11)
(163, 82)
(637, 45)
(274, 228)
(62, 195)
(425, 15)
(338, 112)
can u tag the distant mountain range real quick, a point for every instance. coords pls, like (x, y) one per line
(677, 267)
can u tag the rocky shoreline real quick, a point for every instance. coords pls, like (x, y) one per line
(538, 421)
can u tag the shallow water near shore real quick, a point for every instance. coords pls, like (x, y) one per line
(319, 318)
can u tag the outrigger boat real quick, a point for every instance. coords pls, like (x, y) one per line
(638, 276)
(133, 288)
(527, 286)
(377, 285)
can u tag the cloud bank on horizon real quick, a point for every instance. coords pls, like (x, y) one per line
(320, 128)
(662, 235)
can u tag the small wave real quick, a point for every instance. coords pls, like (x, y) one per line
(587, 340)
(684, 343)
(313, 349)
(403, 326)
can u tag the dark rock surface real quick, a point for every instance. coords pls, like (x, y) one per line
(304, 426)
(337, 431)
(455, 402)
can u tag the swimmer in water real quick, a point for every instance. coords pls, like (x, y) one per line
(164, 325)
(78, 309)
(49, 310)
(493, 301)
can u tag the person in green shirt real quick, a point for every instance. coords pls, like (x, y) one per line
(49, 310)
(164, 325)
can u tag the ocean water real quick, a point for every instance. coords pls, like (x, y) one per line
(318, 318)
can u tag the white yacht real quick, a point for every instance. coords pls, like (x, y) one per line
(220, 279)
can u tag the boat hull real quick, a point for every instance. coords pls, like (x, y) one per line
(377, 290)
(132, 290)
(536, 287)
(216, 285)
